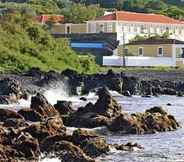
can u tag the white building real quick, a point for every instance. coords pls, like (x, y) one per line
(127, 25)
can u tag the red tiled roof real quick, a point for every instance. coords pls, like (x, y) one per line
(46, 18)
(139, 17)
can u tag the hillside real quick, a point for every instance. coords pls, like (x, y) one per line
(25, 44)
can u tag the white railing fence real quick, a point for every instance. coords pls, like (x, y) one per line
(138, 61)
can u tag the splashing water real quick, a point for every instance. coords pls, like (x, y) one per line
(56, 91)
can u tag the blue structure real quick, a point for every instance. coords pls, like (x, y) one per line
(97, 44)
(87, 45)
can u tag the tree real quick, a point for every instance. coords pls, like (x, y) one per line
(79, 13)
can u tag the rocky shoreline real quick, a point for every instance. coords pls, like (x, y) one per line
(41, 129)
(144, 84)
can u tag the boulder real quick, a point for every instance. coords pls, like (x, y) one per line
(30, 115)
(8, 99)
(180, 94)
(157, 109)
(128, 147)
(95, 115)
(16, 123)
(95, 147)
(151, 121)
(52, 140)
(83, 99)
(27, 146)
(80, 135)
(130, 84)
(40, 104)
(86, 120)
(66, 151)
(124, 124)
(11, 87)
(64, 107)
(6, 114)
(169, 91)
(50, 127)
(90, 142)
(106, 105)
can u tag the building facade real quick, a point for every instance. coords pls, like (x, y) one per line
(150, 52)
(128, 25)
(68, 28)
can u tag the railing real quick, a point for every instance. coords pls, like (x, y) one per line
(138, 61)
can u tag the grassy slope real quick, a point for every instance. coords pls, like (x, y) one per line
(25, 44)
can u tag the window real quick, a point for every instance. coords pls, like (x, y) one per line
(140, 51)
(142, 29)
(129, 29)
(135, 29)
(123, 29)
(109, 27)
(125, 51)
(160, 51)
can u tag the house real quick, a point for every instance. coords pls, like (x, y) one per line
(149, 53)
(127, 25)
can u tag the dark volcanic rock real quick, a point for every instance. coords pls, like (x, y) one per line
(80, 135)
(16, 123)
(130, 84)
(6, 114)
(157, 110)
(106, 105)
(52, 140)
(128, 147)
(124, 124)
(12, 88)
(95, 115)
(95, 147)
(27, 146)
(5, 99)
(91, 143)
(40, 104)
(30, 115)
(67, 151)
(153, 120)
(41, 130)
(64, 107)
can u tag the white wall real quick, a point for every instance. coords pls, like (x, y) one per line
(138, 61)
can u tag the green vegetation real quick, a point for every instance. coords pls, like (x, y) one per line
(73, 12)
(139, 37)
(172, 8)
(141, 69)
(25, 44)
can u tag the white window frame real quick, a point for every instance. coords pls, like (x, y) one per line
(139, 51)
(109, 27)
(160, 55)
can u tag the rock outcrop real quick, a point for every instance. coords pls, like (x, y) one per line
(40, 104)
(11, 91)
(153, 120)
(64, 107)
(94, 115)
(30, 115)
(50, 127)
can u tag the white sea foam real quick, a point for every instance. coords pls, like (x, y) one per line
(56, 91)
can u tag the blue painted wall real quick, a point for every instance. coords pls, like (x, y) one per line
(87, 45)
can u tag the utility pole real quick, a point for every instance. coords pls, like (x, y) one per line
(124, 53)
